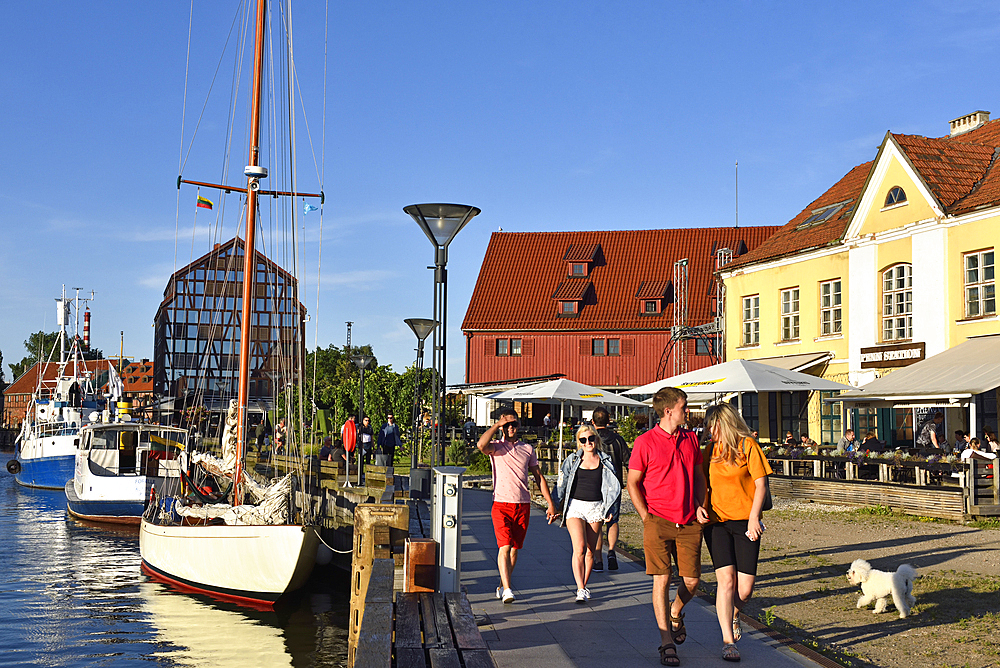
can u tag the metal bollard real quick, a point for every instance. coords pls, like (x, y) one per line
(446, 525)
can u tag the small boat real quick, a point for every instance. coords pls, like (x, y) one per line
(45, 449)
(118, 464)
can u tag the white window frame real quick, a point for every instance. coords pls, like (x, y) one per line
(897, 303)
(980, 282)
(831, 307)
(598, 348)
(515, 348)
(503, 348)
(790, 314)
(751, 320)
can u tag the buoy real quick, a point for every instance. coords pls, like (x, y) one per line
(13, 467)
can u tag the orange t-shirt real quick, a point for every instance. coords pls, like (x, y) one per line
(733, 487)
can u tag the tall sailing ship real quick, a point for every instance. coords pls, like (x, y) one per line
(221, 530)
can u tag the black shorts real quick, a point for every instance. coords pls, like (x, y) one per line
(729, 546)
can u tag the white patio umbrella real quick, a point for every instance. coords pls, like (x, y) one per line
(741, 376)
(565, 392)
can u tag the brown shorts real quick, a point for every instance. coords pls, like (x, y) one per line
(661, 538)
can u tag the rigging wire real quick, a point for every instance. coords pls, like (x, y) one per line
(322, 182)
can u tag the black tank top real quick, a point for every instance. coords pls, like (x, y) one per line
(587, 485)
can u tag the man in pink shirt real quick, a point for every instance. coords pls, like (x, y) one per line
(667, 486)
(511, 459)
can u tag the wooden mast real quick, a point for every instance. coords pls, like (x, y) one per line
(249, 252)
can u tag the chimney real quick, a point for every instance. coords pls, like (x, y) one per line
(86, 329)
(969, 122)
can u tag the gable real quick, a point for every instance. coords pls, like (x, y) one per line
(874, 214)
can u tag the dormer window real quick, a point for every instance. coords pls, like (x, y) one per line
(652, 297)
(895, 197)
(580, 259)
(568, 308)
(577, 269)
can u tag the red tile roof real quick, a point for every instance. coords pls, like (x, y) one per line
(521, 298)
(572, 290)
(652, 289)
(961, 172)
(582, 252)
(28, 381)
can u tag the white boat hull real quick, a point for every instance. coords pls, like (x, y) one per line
(251, 564)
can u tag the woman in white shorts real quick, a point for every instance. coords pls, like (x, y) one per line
(589, 495)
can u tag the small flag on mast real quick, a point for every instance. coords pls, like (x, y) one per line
(204, 202)
(306, 208)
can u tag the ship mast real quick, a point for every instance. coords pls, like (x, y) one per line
(249, 254)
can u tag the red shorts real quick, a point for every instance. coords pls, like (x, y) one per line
(510, 523)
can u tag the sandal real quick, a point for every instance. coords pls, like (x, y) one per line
(730, 653)
(679, 634)
(668, 655)
(737, 629)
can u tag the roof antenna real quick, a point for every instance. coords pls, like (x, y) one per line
(737, 194)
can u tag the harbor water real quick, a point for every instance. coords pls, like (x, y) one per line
(73, 594)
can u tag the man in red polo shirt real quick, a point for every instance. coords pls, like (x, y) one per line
(512, 459)
(667, 486)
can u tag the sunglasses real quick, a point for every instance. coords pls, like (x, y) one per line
(588, 439)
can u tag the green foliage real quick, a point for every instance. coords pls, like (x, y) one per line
(333, 382)
(881, 511)
(479, 464)
(628, 428)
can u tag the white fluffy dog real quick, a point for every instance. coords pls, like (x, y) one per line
(878, 586)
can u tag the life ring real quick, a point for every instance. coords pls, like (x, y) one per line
(13, 467)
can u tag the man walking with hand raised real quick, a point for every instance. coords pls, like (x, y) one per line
(511, 460)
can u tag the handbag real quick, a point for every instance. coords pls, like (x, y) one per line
(768, 503)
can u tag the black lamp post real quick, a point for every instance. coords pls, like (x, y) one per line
(362, 362)
(422, 327)
(440, 222)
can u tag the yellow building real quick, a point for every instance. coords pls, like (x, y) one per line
(891, 265)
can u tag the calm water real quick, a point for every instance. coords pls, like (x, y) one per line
(72, 594)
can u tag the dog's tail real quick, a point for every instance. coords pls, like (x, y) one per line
(908, 574)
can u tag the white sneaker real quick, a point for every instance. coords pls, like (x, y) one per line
(581, 596)
(508, 596)
(586, 593)
(499, 592)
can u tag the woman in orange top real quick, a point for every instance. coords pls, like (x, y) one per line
(737, 472)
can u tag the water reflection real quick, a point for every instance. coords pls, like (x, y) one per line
(73, 595)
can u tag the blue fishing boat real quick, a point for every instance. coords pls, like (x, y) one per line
(45, 449)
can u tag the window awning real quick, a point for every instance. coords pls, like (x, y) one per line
(796, 362)
(954, 376)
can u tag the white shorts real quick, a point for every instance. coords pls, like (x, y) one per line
(588, 511)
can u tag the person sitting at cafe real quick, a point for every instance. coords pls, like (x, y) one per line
(807, 442)
(847, 442)
(871, 442)
(789, 439)
(975, 451)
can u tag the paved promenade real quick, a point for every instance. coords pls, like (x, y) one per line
(546, 627)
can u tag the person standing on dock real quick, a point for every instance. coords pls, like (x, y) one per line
(667, 486)
(366, 440)
(512, 460)
(388, 441)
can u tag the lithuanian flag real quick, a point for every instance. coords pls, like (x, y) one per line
(204, 203)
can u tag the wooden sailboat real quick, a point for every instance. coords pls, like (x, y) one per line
(253, 560)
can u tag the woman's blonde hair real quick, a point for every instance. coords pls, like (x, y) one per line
(974, 443)
(586, 427)
(732, 431)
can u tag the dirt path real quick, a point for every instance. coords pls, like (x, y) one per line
(803, 591)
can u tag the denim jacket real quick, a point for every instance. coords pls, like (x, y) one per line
(611, 489)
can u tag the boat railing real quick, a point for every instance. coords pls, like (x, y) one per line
(50, 429)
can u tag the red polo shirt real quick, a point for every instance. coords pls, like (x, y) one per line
(669, 462)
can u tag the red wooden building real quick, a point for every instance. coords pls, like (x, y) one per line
(598, 307)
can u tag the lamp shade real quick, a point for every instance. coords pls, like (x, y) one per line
(422, 327)
(362, 361)
(441, 222)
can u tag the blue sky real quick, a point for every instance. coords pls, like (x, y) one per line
(546, 115)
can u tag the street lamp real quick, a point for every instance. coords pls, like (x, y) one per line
(422, 327)
(362, 362)
(440, 222)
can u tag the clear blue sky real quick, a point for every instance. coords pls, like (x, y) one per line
(548, 116)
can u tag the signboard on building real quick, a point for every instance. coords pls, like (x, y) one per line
(898, 354)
